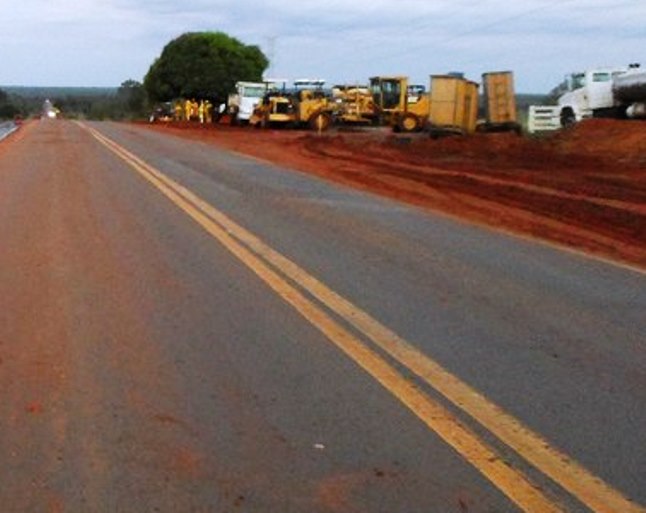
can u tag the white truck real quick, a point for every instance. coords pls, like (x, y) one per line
(241, 104)
(603, 92)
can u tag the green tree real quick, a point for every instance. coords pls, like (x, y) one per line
(204, 65)
(132, 98)
(7, 109)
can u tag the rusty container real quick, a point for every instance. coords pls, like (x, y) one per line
(454, 104)
(500, 98)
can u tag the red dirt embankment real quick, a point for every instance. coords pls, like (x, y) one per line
(584, 188)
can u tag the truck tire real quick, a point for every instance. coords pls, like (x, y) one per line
(568, 119)
(233, 116)
(409, 123)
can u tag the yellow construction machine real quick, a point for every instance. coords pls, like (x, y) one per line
(353, 104)
(406, 108)
(306, 105)
(450, 106)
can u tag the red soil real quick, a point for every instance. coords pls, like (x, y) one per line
(584, 188)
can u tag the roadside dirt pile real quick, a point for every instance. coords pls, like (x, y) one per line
(584, 187)
(620, 141)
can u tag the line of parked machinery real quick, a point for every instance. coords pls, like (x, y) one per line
(449, 106)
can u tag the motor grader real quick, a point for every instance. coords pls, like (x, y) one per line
(406, 108)
(306, 105)
(354, 104)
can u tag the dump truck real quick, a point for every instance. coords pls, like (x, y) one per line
(397, 104)
(618, 92)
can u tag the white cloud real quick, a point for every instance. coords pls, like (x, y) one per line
(66, 42)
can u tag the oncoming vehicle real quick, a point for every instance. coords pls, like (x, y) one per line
(163, 112)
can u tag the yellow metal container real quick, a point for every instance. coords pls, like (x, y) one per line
(500, 97)
(471, 98)
(454, 104)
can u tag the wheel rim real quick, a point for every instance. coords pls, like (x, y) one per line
(409, 124)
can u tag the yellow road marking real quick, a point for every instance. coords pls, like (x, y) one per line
(588, 488)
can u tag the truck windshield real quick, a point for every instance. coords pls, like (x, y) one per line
(578, 80)
(253, 91)
(386, 93)
(601, 77)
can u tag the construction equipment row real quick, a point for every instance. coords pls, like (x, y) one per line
(451, 104)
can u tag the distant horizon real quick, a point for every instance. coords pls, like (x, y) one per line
(115, 88)
(23, 86)
(539, 40)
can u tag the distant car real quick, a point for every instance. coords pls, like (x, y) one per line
(162, 112)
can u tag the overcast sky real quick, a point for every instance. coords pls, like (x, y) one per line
(104, 42)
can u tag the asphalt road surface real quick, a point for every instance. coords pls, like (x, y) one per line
(183, 329)
(6, 128)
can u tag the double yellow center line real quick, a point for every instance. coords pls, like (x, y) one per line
(290, 282)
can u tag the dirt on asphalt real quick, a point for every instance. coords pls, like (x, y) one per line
(584, 188)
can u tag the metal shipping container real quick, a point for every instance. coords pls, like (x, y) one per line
(454, 104)
(500, 101)
(471, 99)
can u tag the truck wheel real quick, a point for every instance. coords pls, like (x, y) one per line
(568, 119)
(320, 122)
(409, 123)
(233, 116)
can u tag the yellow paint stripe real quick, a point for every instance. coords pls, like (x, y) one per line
(589, 489)
(581, 483)
(534, 239)
(516, 486)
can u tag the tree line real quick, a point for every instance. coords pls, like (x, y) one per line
(195, 65)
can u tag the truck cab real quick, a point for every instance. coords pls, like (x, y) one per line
(588, 94)
(241, 104)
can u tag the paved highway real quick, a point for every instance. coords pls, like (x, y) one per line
(6, 128)
(184, 329)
